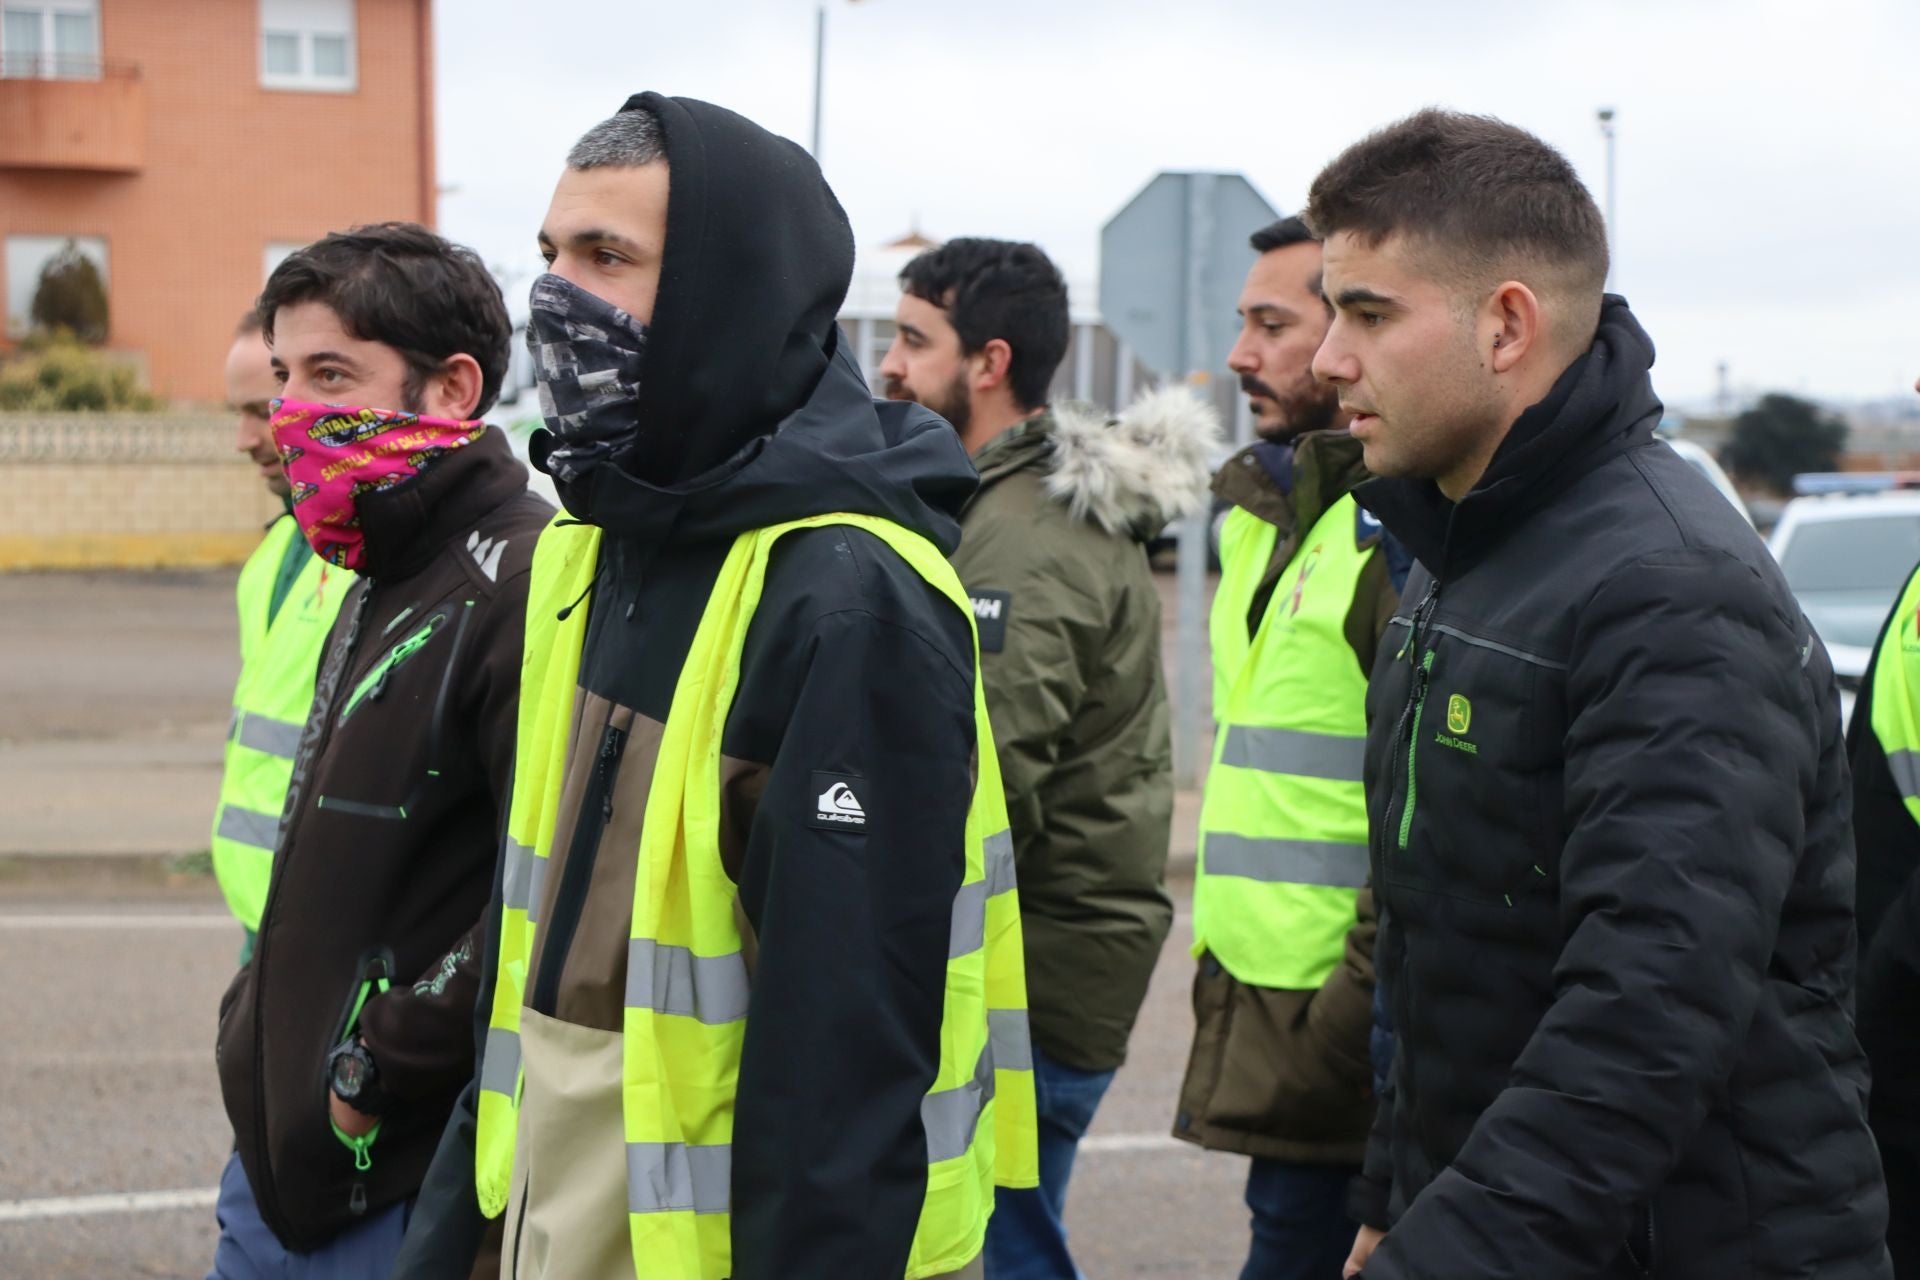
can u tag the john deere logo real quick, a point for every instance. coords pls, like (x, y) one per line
(1459, 715)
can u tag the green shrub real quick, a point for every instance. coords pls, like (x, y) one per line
(56, 374)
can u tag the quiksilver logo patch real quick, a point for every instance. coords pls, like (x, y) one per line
(837, 802)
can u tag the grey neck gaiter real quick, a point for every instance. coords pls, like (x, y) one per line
(586, 359)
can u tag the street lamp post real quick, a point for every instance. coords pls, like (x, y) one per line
(819, 67)
(819, 70)
(1605, 115)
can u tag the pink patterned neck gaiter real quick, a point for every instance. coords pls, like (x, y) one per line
(334, 453)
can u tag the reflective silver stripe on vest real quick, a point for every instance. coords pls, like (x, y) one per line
(670, 1177)
(999, 858)
(248, 826)
(1306, 755)
(269, 736)
(1323, 862)
(536, 881)
(516, 878)
(1905, 768)
(1007, 1037)
(969, 930)
(951, 1115)
(500, 1066)
(668, 979)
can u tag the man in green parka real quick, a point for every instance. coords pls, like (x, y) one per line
(1053, 555)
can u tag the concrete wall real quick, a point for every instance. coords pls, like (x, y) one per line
(228, 167)
(98, 491)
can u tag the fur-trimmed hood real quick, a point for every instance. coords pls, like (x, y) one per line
(1139, 472)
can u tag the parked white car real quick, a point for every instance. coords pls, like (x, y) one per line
(1846, 557)
(1703, 462)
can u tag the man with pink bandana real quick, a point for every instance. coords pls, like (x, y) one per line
(345, 1039)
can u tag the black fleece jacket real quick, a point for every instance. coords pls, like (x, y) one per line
(1609, 805)
(381, 868)
(752, 414)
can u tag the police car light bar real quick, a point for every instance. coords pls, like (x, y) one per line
(1811, 483)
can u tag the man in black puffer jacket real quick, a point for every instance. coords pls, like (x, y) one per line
(1606, 785)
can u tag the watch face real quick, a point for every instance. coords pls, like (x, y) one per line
(349, 1075)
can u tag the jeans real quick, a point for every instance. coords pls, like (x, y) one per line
(248, 1249)
(1300, 1226)
(1026, 1237)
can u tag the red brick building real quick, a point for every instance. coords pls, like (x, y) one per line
(185, 146)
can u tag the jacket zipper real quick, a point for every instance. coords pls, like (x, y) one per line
(1644, 1265)
(373, 974)
(1406, 729)
(266, 1194)
(374, 969)
(596, 810)
(1422, 674)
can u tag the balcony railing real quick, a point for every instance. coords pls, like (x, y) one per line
(59, 112)
(15, 65)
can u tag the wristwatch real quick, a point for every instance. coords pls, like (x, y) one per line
(355, 1080)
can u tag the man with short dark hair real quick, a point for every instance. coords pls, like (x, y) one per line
(1052, 552)
(347, 1036)
(981, 320)
(287, 598)
(1605, 778)
(1282, 319)
(1283, 923)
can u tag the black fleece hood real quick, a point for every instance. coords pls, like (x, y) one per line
(757, 262)
(1604, 402)
(753, 411)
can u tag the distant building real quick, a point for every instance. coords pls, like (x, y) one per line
(1099, 367)
(187, 146)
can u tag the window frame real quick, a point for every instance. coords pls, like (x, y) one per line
(16, 328)
(306, 79)
(47, 58)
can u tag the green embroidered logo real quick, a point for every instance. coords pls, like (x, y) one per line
(1459, 714)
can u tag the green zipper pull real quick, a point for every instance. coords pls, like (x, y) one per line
(362, 1146)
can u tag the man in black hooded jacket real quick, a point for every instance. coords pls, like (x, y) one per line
(695, 390)
(1606, 788)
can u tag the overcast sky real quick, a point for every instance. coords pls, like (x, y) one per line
(1769, 150)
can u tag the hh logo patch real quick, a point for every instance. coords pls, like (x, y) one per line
(837, 802)
(991, 609)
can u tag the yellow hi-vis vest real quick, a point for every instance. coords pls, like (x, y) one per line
(278, 667)
(681, 1063)
(1896, 680)
(1283, 823)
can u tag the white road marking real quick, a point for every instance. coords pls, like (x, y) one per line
(197, 920)
(1133, 1144)
(43, 1059)
(203, 1198)
(116, 1202)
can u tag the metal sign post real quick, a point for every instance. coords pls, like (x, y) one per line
(1171, 266)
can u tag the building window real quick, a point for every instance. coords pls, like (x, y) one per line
(37, 262)
(50, 39)
(307, 44)
(278, 251)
